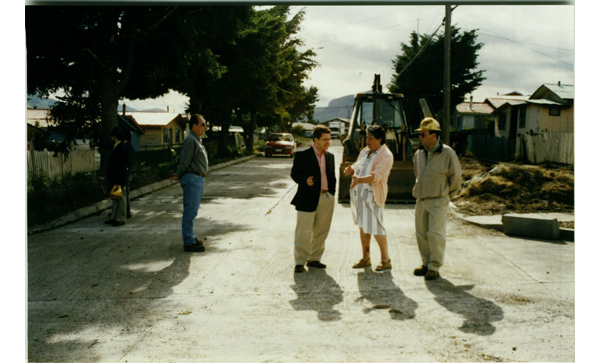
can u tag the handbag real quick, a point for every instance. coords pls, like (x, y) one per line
(116, 192)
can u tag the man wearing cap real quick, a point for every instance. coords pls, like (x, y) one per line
(438, 174)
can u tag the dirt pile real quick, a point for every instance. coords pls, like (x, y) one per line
(495, 188)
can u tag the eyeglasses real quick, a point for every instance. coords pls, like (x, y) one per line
(199, 124)
(422, 134)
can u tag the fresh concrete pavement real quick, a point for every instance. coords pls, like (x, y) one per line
(98, 293)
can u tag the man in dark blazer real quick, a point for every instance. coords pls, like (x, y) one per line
(117, 175)
(314, 172)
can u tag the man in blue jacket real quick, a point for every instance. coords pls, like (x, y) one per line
(314, 172)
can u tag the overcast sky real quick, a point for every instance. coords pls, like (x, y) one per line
(524, 46)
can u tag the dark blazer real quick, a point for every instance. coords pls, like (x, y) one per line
(117, 166)
(306, 165)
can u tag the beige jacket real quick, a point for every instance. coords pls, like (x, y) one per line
(380, 169)
(437, 174)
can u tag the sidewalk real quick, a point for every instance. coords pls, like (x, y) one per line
(105, 204)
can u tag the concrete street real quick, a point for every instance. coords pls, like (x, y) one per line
(98, 293)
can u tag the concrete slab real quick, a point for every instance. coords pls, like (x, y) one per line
(537, 226)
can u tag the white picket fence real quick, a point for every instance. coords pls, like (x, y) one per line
(556, 147)
(44, 163)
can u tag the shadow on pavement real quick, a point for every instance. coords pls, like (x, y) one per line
(317, 291)
(479, 314)
(89, 282)
(379, 289)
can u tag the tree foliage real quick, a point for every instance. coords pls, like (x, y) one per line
(424, 77)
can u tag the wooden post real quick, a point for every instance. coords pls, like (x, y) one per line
(447, 83)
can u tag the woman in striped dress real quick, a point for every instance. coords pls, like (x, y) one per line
(368, 192)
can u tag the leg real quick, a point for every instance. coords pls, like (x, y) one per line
(193, 187)
(321, 226)
(365, 241)
(421, 228)
(382, 242)
(303, 236)
(437, 233)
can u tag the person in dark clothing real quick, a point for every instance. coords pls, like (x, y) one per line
(117, 175)
(130, 155)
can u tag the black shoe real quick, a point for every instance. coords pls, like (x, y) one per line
(109, 221)
(117, 224)
(432, 275)
(421, 271)
(196, 247)
(199, 241)
(299, 269)
(316, 264)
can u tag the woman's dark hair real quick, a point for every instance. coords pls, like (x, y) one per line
(378, 132)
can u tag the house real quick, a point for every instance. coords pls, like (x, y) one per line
(307, 128)
(472, 115)
(162, 129)
(40, 120)
(338, 126)
(549, 108)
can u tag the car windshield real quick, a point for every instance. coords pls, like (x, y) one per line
(281, 137)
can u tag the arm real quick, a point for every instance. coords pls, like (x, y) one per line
(187, 154)
(298, 171)
(454, 173)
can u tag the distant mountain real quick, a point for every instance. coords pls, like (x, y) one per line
(337, 108)
(39, 103)
(127, 108)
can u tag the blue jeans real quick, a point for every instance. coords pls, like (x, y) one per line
(193, 187)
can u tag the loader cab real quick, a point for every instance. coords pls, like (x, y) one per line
(384, 109)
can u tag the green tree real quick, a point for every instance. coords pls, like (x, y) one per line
(92, 53)
(423, 76)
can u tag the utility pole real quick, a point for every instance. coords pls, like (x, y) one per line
(447, 84)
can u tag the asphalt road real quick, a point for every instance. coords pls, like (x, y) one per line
(97, 293)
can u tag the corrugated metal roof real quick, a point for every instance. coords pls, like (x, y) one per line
(497, 102)
(564, 91)
(153, 118)
(478, 108)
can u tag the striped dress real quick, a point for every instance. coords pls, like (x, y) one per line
(365, 212)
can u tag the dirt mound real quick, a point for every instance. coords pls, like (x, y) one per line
(496, 188)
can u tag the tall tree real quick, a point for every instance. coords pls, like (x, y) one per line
(89, 53)
(419, 71)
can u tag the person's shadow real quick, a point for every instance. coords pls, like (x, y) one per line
(479, 314)
(379, 289)
(317, 291)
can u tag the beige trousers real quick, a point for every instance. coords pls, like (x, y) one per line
(431, 216)
(312, 229)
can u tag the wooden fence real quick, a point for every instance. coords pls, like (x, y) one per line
(558, 147)
(44, 163)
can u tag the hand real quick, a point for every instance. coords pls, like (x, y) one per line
(174, 176)
(309, 181)
(348, 171)
(354, 181)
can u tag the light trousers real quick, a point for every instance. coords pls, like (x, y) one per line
(312, 229)
(431, 216)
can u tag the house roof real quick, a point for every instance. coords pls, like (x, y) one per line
(560, 91)
(336, 119)
(154, 118)
(497, 102)
(129, 122)
(41, 116)
(477, 108)
(305, 125)
(545, 102)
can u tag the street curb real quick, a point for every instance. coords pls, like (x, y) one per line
(566, 234)
(105, 204)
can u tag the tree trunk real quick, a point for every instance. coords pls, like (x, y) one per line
(109, 103)
(223, 145)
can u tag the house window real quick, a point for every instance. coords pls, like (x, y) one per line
(165, 136)
(554, 111)
(502, 122)
(177, 135)
(522, 118)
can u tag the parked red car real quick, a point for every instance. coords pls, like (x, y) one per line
(280, 143)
